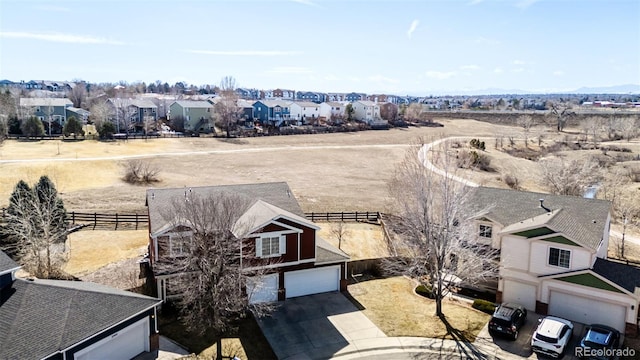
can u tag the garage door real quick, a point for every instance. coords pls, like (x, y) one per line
(312, 281)
(125, 344)
(263, 289)
(587, 311)
(523, 294)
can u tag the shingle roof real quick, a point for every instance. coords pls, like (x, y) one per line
(581, 219)
(139, 103)
(194, 103)
(366, 102)
(6, 264)
(306, 104)
(327, 253)
(261, 212)
(42, 317)
(274, 103)
(334, 103)
(626, 276)
(45, 102)
(276, 193)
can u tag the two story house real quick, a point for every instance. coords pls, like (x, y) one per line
(197, 115)
(332, 110)
(366, 111)
(280, 239)
(58, 319)
(52, 111)
(553, 256)
(272, 112)
(311, 96)
(305, 112)
(132, 114)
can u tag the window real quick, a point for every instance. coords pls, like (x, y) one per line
(559, 257)
(179, 245)
(485, 231)
(270, 246)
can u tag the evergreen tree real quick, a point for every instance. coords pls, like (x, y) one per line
(73, 126)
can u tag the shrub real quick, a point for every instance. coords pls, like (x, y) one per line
(139, 172)
(477, 144)
(425, 290)
(484, 306)
(511, 181)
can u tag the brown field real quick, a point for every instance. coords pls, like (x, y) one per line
(361, 240)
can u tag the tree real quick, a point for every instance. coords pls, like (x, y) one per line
(349, 111)
(569, 178)
(561, 111)
(226, 110)
(4, 128)
(340, 231)
(106, 130)
(99, 114)
(36, 228)
(73, 126)
(526, 122)
(389, 112)
(592, 126)
(413, 112)
(216, 268)
(32, 127)
(78, 94)
(436, 229)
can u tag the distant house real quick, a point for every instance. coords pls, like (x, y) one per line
(279, 94)
(332, 110)
(247, 110)
(311, 96)
(52, 111)
(553, 256)
(388, 111)
(197, 115)
(132, 114)
(305, 112)
(272, 112)
(248, 94)
(57, 319)
(78, 113)
(351, 97)
(366, 111)
(281, 240)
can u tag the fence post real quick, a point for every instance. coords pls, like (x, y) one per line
(116, 221)
(95, 220)
(327, 215)
(136, 221)
(356, 216)
(342, 216)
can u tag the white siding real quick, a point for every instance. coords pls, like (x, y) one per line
(539, 262)
(519, 293)
(515, 251)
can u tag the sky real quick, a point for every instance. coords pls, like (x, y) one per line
(418, 47)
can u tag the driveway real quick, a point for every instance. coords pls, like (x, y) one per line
(522, 346)
(316, 326)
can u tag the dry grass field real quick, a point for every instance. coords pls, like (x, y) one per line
(360, 241)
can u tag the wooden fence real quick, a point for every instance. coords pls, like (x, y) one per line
(122, 221)
(373, 216)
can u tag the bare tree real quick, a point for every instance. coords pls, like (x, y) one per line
(526, 122)
(226, 110)
(99, 114)
(36, 228)
(627, 210)
(78, 94)
(414, 112)
(629, 127)
(570, 177)
(123, 114)
(592, 126)
(218, 264)
(340, 231)
(561, 111)
(436, 242)
(140, 172)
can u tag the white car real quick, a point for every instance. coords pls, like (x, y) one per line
(552, 336)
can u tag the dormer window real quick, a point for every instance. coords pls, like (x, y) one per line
(270, 246)
(559, 257)
(485, 231)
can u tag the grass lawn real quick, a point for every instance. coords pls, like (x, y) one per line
(360, 241)
(247, 343)
(394, 307)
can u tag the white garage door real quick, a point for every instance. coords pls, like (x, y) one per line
(523, 294)
(125, 344)
(263, 289)
(312, 281)
(587, 311)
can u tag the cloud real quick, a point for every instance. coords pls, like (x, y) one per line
(244, 52)
(380, 78)
(517, 70)
(498, 70)
(412, 28)
(290, 70)
(470, 67)
(306, 2)
(441, 75)
(558, 73)
(59, 37)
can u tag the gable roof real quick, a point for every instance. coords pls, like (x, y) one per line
(60, 314)
(626, 276)
(274, 103)
(366, 102)
(6, 264)
(261, 213)
(327, 253)
(194, 104)
(277, 194)
(306, 104)
(45, 102)
(581, 219)
(334, 103)
(139, 103)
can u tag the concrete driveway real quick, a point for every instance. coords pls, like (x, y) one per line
(316, 326)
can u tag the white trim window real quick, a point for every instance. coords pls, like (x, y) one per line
(179, 244)
(559, 257)
(485, 231)
(270, 246)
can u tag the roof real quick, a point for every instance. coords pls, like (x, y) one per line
(78, 110)
(139, 103)
(306, 103)
(277, 194)
(6, 264)
(261, 213)
(45, 102)
(366, 102)
(42, 317)
(334, 103)
(194, 103)
(245, 103)
(274, 103)
(583, 220)
(327, 253)
(626, 276)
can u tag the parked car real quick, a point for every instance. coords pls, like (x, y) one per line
(597, 339)
(552, 336)
(507, 319)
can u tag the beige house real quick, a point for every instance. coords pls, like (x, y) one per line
(553, 257)
(366, 111)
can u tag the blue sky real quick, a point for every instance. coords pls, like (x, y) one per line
(401, 47)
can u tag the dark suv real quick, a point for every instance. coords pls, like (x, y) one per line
(597, 340)
(507, 319)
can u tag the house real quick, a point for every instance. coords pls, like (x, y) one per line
(197, 115)
(553, 256)
(366, 111)
(388, 111)
(272, 112)
(304, 112)
(58, 319)
(52, 111)
(311, 96)
(280, 94)
(133, 114)
(248, 94)
(81, 114)
(299, 261)
(246, 113)
(351, 97)
(332, 110)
